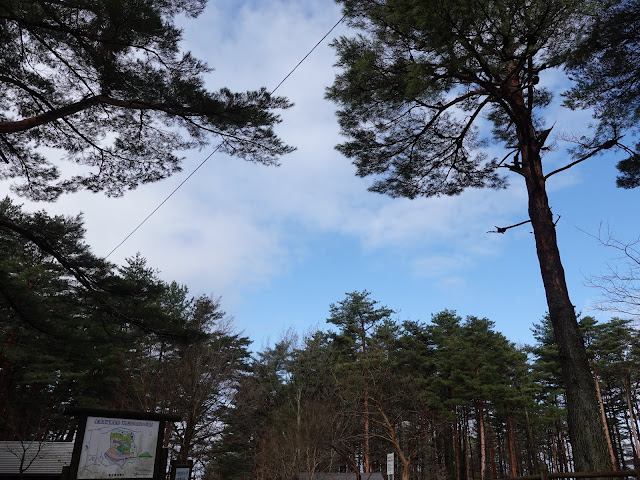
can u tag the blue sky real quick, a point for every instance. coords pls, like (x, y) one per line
(280, 244)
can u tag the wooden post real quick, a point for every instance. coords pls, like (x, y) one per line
(544, 472)
(160, 466)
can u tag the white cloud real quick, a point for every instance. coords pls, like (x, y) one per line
(235, 226)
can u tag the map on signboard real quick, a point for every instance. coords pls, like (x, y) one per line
(118, 448)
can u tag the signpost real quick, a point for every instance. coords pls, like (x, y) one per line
(390, 465)
(181, 472)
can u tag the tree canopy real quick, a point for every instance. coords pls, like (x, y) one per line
(104, 85)
(605, 67)
(414, 88)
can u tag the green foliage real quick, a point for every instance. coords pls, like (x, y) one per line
(201, 379)
(71, 324)
(605, 69)
(356, 317)
(629, 171)
(104, 85)
(605, 66)
(416, 83)
(77, 330)
(428, 387)
(51, 341)
(420, 385)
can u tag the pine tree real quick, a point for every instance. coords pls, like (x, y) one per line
(412, 89)
(71, 324)
(357, 316)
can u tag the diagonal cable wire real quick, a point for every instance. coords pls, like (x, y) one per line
(310, 52)
(163, 202)
(219, 145)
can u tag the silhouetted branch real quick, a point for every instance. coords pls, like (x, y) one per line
(504, 229)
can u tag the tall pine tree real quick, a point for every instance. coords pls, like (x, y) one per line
(413, 87)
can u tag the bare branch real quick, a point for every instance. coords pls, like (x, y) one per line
(605, 146)
(620, 285)
(504, 229)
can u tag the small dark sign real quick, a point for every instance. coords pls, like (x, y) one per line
(182, 473)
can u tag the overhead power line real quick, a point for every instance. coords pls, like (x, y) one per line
(310, 52)
(218, 147)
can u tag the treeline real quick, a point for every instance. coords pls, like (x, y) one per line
(451, 397)
(80, 331)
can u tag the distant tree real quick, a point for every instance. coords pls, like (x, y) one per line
(550, 418)
(204, 377)
(474, 385)
(104, 85)
(613, 349)
(257, 424)
(400, 413)
(415, 84)
(450, 398)
(357, 317)
(147, 383)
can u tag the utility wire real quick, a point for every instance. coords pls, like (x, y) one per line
(310, 52)
(163, 202)
(219, 145)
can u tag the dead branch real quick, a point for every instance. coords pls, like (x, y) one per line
(504, 229)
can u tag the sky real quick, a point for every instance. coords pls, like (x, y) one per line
(279, 245)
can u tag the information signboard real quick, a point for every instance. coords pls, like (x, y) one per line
(118, 448)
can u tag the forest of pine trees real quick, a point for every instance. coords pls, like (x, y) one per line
(451, 397)
(109, 88)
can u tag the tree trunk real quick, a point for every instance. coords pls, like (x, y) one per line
(393, 438)
(511, 440)
(615, 426)
(586, 431)
(564, 450)
(531, 461)
(634, 430)
(603, 415)
(263, 457)
(482, 441)
(185, 448)
(367, 447)
(456, 447)
(555, 445)
(620, 460)
(367, 433)
(467, 450)
(491, 441)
